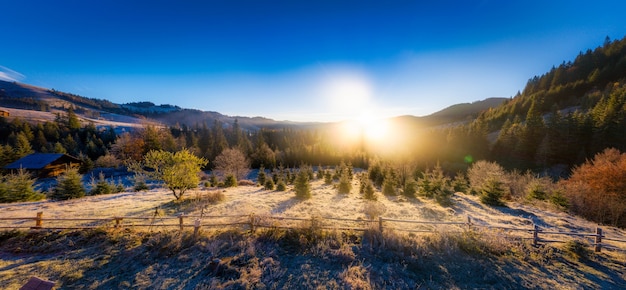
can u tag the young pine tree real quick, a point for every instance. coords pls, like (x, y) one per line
(261, 176)
(320, 172)
(281, 185)
(345, 185)
(100, 186)
(69, 185)
(369, 192)
(492, 193)
(328, 177)
(389, 186)
(410, 187)
(230, 181)
(269, 184)
(18, 187)
(302, 185)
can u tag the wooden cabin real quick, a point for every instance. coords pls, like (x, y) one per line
(4, 113)
(45, 164)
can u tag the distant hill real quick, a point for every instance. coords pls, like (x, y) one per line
(569, 85)
(564, 116)
(464, 111)
(31, 98)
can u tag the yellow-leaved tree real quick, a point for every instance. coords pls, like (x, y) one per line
(179, 171)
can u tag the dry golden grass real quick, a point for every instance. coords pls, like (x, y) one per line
(306, 256)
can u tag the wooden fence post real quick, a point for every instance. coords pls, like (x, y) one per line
(598, 245)
(196, 228)
(118, 222)
(535, 235)
(252, 223)
(380, 224)
(39, 220)
(180, 221)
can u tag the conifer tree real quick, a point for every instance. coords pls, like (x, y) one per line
(22, 146)
(18, 186)
(492, 193)
(389, 185)
(69, 185)
(344, 183)
(261, 176)
(368, 190)
(269, 184)
(302, 185)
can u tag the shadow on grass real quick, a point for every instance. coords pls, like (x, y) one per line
(192, 202)
(517, 212)
(287, 204)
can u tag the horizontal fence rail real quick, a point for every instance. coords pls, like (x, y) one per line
(597, 239)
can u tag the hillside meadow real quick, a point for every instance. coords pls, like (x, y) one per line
(305, 256)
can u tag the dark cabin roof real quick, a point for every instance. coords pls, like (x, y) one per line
(39, 160)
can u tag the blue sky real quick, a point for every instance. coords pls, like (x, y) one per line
(298, 60)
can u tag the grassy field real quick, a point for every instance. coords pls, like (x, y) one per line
(304, 257)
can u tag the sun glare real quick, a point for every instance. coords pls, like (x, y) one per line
(366, 128)
(373, 128)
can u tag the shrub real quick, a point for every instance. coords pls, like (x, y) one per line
(214, 197)
(68, 186)
(213, 180)
(482, 172)
(269, 184)
(597, 189)
(230, 181)
(373, 210)
(302, 185)
(492, 192)
(246, 182)
(108, 160)
(577, 250)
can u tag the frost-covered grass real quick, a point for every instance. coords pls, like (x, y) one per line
(304, 257)
(325, 202)
(301, 258)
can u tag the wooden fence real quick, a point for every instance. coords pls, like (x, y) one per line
(535, 233)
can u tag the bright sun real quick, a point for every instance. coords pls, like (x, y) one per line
(372, 127)
(366, 127)
(350, 95)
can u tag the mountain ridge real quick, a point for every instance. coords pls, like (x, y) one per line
(28, 97)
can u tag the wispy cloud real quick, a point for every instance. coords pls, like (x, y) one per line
(9, 75)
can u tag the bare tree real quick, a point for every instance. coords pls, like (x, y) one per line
(232, 161)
